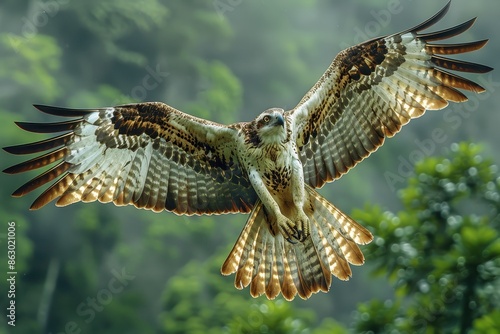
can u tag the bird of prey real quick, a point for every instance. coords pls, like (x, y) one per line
(156, 157)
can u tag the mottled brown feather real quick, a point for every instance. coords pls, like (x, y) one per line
(449, 49)
(372, 89)
(149, 155)
(38, 162)
(42, 179)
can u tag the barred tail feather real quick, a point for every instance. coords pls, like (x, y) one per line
(269, 264)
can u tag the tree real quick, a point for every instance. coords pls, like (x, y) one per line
(442, 253)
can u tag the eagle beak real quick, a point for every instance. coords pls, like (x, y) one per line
(279, 120)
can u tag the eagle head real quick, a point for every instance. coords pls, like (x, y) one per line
(270, 126)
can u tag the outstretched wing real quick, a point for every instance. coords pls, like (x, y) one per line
(148, 154)
(372, 89)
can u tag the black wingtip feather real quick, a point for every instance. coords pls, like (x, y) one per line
(431, 21)
(49, 127)
(448, 33)
(64, 112)
(39, 146)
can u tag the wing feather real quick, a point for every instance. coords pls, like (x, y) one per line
(372, 89)
(148, 154)
(42, 179)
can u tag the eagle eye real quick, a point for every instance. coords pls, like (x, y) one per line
(266, 119)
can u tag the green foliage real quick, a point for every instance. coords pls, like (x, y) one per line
(197, 300)
(112, 21)
(376, 316)
(487, 324)
(271, 317)
(221, 93)
(31, 64)
(99, 97)
(443, 252)
(330, 326)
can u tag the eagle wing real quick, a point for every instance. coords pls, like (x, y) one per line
(149, 155)
(371, 90)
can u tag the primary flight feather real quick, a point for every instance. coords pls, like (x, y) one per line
(156, 157)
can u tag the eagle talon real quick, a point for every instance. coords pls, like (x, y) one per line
(287, 229)
(302, 227)
(303, 236)
(299, 235)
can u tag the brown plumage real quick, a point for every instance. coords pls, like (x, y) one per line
(156, 157)
(105, 154)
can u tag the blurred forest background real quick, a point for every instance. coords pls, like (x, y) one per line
(91, 268)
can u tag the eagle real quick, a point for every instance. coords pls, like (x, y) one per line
(156, 157)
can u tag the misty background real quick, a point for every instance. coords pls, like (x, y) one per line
(222, 60)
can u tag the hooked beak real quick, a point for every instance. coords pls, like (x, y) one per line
(279, 120)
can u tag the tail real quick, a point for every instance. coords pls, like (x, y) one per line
(270, 264)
